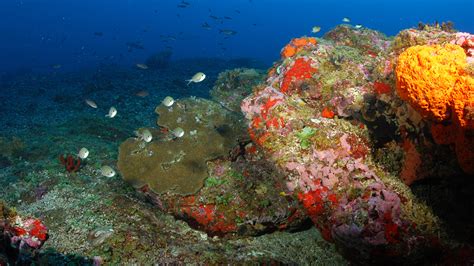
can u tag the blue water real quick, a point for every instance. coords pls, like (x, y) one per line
(36, 34)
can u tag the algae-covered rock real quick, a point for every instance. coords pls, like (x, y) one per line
(178, 165)
(232, 86)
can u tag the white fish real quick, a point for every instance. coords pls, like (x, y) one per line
(316, 29)
(145, 135)
(91, 103)
(83, 153)
(198, 77)
(178, 132)
(346, 20)
(358, 26)
(107, 171)
(168, 101)
(142, 66)
(112, 112)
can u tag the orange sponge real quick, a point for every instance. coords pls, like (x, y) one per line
(433, 80)
(297, 45)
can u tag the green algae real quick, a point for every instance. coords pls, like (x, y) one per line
(304, 136)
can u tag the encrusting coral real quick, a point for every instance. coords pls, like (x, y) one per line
(178, 165)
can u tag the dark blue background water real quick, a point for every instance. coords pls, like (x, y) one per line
(40, 33)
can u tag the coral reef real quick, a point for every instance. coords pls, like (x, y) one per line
(20, 238)
(434, 81)
(208, 178)
(320, 127)
(178, 165)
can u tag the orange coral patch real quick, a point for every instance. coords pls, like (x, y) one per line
(300, 70)
(382, 88)
(327, 113)
(266, 107)
(288, 51)
(297, 45)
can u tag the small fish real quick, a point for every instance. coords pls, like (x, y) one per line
(358, 26)
(142, 66)
(229, 18)
(142, 94)
(182, 6)
(346, 20)
(58, 66)
(83, 153)
(177, 132)
(206, 26)
(91, 103)
(145, 135)
(214, 17)
(228, 32)
(168, 101)
(99, 33)
(316, 29)
(198, 77)
(107, 171)
(112, 112)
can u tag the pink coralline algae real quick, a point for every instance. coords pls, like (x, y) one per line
(21, 237)
(369, 213)
(466, 41)
(30, 232)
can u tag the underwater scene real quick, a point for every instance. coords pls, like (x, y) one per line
(255, 132)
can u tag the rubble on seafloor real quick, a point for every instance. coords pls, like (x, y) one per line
(332, 130)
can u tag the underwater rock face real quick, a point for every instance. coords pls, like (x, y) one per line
(209, 177)
(346, 141)
(232, 86)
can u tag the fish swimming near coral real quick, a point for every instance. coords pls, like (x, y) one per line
(144, 135)
(107, 171)
(178, 132)
(168, 101)
(198, 77)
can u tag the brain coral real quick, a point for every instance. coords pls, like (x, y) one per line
(178, 165)
(433, 79)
